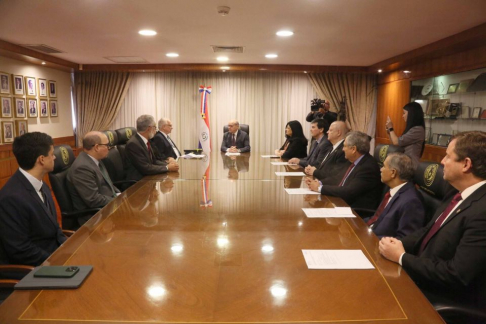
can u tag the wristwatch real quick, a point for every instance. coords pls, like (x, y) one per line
(390, 129)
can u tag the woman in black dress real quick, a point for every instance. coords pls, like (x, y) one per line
(296, 143)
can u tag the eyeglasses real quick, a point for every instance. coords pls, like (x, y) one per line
(108, 145)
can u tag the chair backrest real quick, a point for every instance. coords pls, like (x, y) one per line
(112, 137)
(429, 178)
(243, 127)
(382, 151)
(64, 159)
(114, 165)
(124, 134)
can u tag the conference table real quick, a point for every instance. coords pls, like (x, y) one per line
(221, 242)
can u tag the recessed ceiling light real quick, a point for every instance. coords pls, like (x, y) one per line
(172, 55)
(225, 67)
(271, 56)
(222, 58)
(285, 33)
(380, 70)
(147, 32)
(43, 63)
(407, 71)
(305, 71)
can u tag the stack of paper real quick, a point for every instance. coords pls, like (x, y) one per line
(270, 156)
(192, 156)
(290, 174)
(301, 191)
(280, 163)
(336, 259)
(230, 154)
(337, 212)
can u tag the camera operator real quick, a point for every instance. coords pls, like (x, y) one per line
(320, 109)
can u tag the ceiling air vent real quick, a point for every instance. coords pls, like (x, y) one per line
(43, 48)
(126, 59)
(227, 49)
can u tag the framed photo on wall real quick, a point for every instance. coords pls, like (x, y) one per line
(452, 88)
(33, 109)
(6, 103)
(20, 107)
(4, 83)
(30, 87)
(8, 131)
(52, 89)
(42, 87)
(43, 108)
(21, 127)
(53, 108)
(476, 112)
(18, 85)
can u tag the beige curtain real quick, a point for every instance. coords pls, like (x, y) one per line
(98, 97)
(360, 92)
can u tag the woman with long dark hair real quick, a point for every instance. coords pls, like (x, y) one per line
(413, 138)
(296, 144)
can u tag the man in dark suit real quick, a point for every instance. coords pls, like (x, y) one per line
(165, 145)
(401, 212)
(360, 187)
(333, 163)
(29, 231)
(88, 181)
(141, 158)
(448, 256)
(235, 140)
(318, 130)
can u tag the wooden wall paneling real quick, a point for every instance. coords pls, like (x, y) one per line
(433, 153)
(391, 99)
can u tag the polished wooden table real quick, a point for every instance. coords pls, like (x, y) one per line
(187, 249)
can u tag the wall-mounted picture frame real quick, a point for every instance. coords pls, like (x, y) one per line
(434, 139)
(443, 139)
(476, 112)
(20, 111)
(4, 83)
(6, 106)
(463, 85)
(21, 127)
(42, 87)
(483, 114)
(18, 85)
(53, 108)
(33, 108)
(43, 111)
(452, 88)
(453, 110)
(465, 112)
(52, 89)
(8, 131)
(30, 87)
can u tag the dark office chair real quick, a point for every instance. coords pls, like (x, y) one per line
(124, 134)
(112, 137)
(382, 151)
(243, 127)
(64, 159)
(429, 178)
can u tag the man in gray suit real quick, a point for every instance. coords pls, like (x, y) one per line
(88, 181)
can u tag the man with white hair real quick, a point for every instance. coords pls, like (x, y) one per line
(166, 147)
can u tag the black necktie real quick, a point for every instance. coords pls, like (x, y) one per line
(233, 142)
(46, 202)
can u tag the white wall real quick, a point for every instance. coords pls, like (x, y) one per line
(60, 126)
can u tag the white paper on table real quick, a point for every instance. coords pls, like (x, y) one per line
(192, 156)
(336, 259)
(229, 153)
(270, 156)
(326, 213)
(344, 210)
(301, 191)
(281, 163)
(290, 174)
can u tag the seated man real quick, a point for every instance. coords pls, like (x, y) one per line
(360, 187)
(165, 146)
(401, 212)
(88, 182)
(448, 256)
(140, 157)
(319, 129)
(333, 163)
(29, 231)
(235, 140)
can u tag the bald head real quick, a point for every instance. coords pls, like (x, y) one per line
(165, 125)
(337, 131)
(96, 144)
(233, 126)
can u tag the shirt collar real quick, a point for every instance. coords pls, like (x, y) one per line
(143, 138)
(359, 159)
(33, 180)
(163, 134)
(337, 144)
(94, 160)
(393, 191)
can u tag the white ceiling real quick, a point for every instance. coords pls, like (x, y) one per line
(327, 32)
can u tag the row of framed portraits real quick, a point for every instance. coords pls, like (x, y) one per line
(28, 107)
(13, 128)
(29, 86)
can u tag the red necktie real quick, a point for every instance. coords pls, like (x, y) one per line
(346, 174)
(380, 209)
(457, 198)
(150, 152)
(233, 142)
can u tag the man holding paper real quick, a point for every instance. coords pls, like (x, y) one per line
(235, 140)
(319, 129)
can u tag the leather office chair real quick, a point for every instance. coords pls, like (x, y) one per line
(114, 163)
(243, 127)
(123, 135)
(112, 137)
(64, 159)
(382, 151)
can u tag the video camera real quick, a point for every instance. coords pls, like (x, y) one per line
(316, 104)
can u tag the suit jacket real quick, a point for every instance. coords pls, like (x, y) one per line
(362, 188)
(334, 167)
(404, 214)
(163, 146)
(242, 141)
(138, 162)
(453, 263)
(313, 158)
(297, 148)
(86, 184)
(29, 231)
